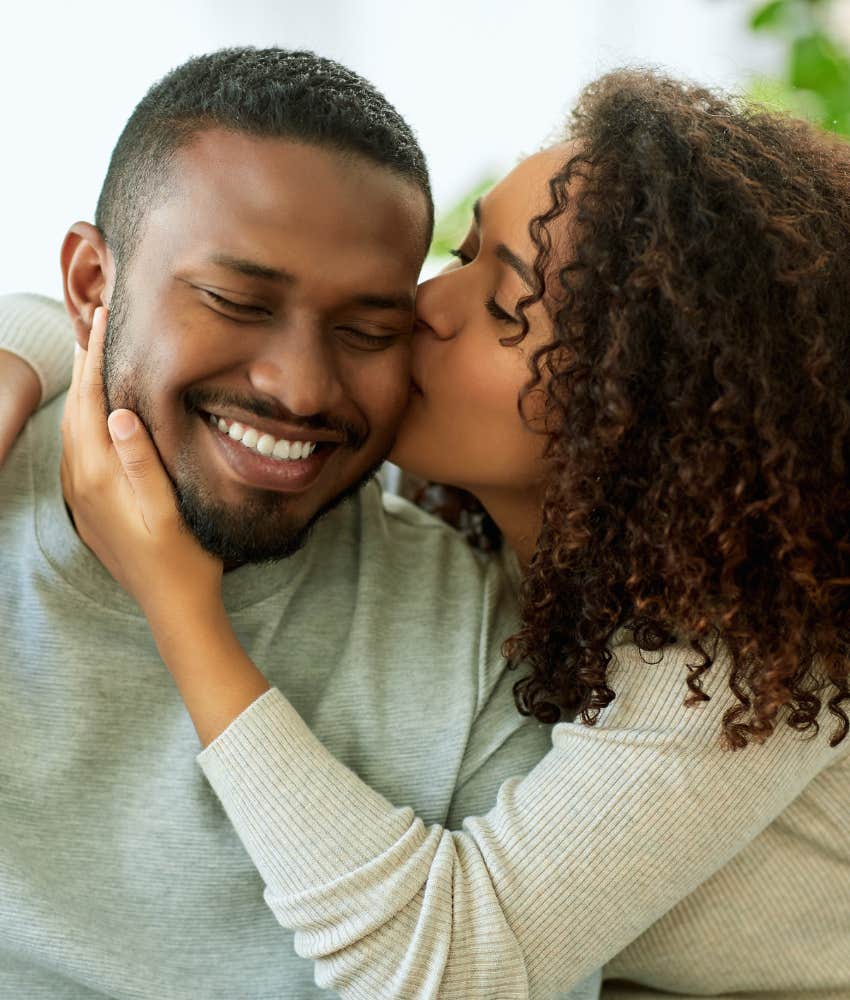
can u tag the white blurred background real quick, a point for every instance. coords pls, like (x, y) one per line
(481, 81)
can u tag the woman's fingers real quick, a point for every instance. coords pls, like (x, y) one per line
(144, 471)
(92, 406)
(72, 400)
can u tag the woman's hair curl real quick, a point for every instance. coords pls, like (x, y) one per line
(695, 259)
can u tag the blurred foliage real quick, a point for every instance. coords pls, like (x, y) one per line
(815, 84)
(452, 225)
(816, 80)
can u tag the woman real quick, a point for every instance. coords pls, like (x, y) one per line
(674, 485)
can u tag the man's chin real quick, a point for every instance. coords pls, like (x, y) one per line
(258, 532)
(239, 538)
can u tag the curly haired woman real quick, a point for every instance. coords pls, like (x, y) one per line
(674, 483)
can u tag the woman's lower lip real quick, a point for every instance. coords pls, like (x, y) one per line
(292, 476)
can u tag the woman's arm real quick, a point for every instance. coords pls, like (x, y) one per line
(615, 826)
(36, 354)
(20, 392)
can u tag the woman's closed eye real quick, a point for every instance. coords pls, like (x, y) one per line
(491, 305)
(464, 258)
(497, 312)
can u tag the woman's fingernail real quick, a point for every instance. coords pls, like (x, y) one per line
(121, 424)
(77, 348)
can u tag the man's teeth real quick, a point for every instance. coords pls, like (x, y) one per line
(263, 444)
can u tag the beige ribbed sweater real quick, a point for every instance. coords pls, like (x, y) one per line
(691, 871)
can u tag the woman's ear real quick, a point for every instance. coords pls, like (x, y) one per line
(88, 273)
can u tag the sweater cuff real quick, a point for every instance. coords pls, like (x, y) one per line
(37, 329)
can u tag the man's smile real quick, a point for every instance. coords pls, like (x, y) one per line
(262, 461)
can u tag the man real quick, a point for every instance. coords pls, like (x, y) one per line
(258, 240)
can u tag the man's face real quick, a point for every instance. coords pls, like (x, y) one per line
(272, 287)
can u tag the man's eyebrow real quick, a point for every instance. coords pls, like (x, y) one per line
(249, 268)
(507, 256)
(397, 302)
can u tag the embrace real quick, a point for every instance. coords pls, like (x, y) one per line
(267, 731)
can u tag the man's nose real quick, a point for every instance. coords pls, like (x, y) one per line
(301, 373)
(438, 307)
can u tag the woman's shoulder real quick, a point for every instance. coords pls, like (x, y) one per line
(654, 704)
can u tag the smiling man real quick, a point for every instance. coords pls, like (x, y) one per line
(258, 240)
(283, 262)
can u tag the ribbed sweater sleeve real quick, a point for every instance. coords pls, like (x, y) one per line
(37, 329)
(618, 823)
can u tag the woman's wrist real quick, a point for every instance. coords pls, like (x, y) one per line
(214, 675)
(188, 615)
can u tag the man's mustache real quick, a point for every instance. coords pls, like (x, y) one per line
(353, 437)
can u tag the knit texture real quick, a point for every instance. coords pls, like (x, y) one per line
(32, 327)
(692, 871)
(120, 874)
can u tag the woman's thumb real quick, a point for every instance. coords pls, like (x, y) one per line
(142, 466)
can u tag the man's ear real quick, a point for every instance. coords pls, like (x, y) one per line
(88, 274)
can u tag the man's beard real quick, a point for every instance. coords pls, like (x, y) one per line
(258, 531)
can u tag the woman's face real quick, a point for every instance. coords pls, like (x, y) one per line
(462, 426)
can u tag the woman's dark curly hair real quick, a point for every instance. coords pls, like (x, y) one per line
(697, 405)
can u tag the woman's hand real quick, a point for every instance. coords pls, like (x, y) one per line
(123, 502)
(124, 510)
(20, 394)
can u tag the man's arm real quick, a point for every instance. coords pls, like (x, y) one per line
(36, 357)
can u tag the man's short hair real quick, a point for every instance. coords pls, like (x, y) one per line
(272, 93)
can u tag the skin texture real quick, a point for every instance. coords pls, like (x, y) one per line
(296, 355)
(463, 428)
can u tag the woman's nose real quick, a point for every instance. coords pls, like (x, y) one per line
(437, 309)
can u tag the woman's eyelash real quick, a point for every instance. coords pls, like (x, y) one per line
(492, 306)
(497, 312)
(461, 256)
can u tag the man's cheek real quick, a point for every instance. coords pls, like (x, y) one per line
(394, 387)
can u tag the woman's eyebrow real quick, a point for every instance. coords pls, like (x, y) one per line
(506, 255)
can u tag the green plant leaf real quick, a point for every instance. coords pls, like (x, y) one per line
(816, 83)
(777, 95)
(452, 225)
(818, 64)
(769, 15)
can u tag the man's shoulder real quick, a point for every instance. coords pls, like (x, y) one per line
(405, 531)
(424, 570)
